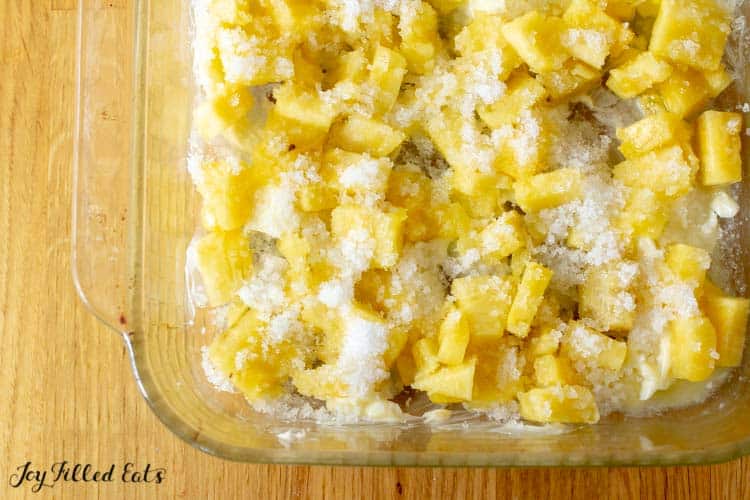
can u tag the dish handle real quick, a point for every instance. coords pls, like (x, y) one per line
(103, 217)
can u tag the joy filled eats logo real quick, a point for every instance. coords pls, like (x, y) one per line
(65, 472)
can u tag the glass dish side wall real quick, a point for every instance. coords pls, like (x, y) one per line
(134, 215)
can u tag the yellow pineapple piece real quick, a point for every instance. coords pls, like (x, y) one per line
(405, 366)
(693, 347)
(523, 92)
(353, 173)
(637, 75)
(484, 301)
(685, 92)
(545, 341)
(648, 8)
(384, 229)
(449, 383)
(624, 10)
(397, 340)
(227, 190)
(453, 338)
(645, 214)
(323, 382)
(225, 112)
(719, 147)
(586, 345)
(717, 80)
(728, 315)
(445, 7)
(425, 357)
(484, 35)
(548, 190)
(605, 298)
(225, 262)
(420, 42)
(366, 135)
(572, 79)
(666, 172)
(294, 16)
(501, 237)
(523, 148)
(652, 132)
(239, 354)
(451, 220)
(590, 33)
(386, 74)
(536, 39)
(688, 263)
(317, 196)
(529, 295)
(691, 32)
(351, 66)
(302, 115)
(569, 404)
(550, 370)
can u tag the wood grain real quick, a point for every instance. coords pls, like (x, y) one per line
(67, 392)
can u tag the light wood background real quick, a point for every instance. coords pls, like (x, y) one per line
(66, 390)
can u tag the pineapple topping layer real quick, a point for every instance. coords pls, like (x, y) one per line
(507, 208)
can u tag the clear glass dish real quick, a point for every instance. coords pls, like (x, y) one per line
(134, 213)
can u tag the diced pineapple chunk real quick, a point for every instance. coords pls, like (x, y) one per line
(501, 237)
(605, 297)
(484, 36)
(452, 221)
(425, 352)
(445, 7)
(523, 92)
(624, 10)
(644, 214)
(224, 112)
(572, 79)
(591, 32)
(227, 191)
(529, 295)
(225, 261)
(420, 41)
(666, 172)
(484, 302)
(386, 74)
(352, 173)
(449, 383)
(550, 370)
(585, 345)
(718, 80)
(302, 115)
(637, 75)
(536, 39)
(568, 404)
(719, 148)
(685, 92)
(291, 15)
(693, 347)
(652, 132)
(453, 338)
(691, 32)
(688, 263)
(728, 315)
(546, 341)
(365, 135)
(397, 340)
(384, 229)
(350, 66)
(548, 190)
(239, 355)
(524, 146)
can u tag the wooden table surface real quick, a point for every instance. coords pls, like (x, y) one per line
(66, 390)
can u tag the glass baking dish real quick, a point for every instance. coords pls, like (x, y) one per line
(134, 213)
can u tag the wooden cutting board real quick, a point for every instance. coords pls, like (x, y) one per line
(66, 390)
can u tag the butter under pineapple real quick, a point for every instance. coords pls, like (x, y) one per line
(484, 202)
